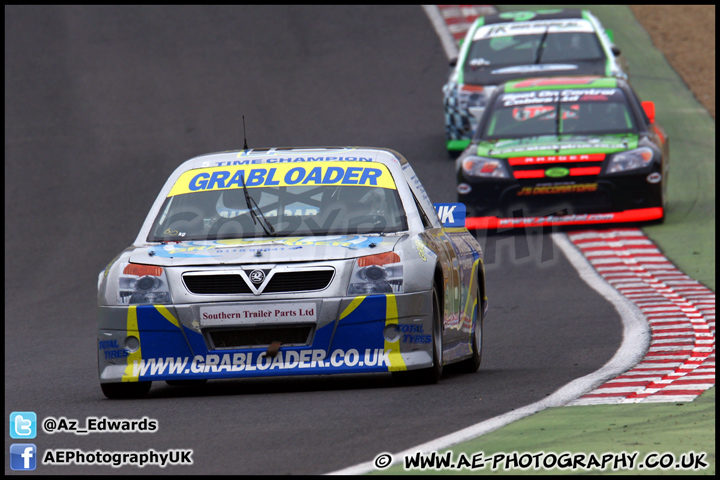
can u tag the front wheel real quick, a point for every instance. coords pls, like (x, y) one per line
(428, 376)
(126, 389)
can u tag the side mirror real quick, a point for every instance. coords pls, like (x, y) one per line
(649, 108)
(615, 50)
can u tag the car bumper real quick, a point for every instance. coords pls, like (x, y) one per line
(593, 201)
(378, 333)
(626, 216)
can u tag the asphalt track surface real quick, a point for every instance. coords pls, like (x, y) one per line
(102, 103)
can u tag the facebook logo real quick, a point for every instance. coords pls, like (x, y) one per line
(23, 456)
(23, 425)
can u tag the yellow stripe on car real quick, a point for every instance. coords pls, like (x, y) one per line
(473, 279)
(391, 318)
(168, 316)
(136, 356)
(351, 308)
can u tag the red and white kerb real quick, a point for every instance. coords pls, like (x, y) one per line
(680, 363)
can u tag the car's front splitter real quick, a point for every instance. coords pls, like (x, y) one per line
(379, 333)
(627, 216)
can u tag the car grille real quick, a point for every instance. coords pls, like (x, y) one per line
(556, 167)
(216, 284)
(299, 281)
(281, 282)
(256, 337)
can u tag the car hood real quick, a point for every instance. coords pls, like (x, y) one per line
(490, 75)
(554, 145)
(269, 250)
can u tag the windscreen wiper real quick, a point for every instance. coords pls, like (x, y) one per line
(253, 207)
(541, 45)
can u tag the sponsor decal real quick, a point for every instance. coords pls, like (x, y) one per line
(532, 28)
(533, 68)
(545, 82)
(637, 215)
(252, 361)
(451, 214)
(560, 219)
(561, 146)
(510, 99)
(558, 189)
(280, 159)
(654, 177)
(111, 349)
(413, 334)
(283, 175)
(592, 157)
(250, 314)
(421, 249)
(556, 172)
(547, 112)
(205, 248)
(463, 188)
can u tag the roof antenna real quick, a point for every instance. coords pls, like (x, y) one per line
(244, 136)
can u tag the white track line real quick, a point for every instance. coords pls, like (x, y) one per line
(636, 340)
(636, 330)
(446, 39)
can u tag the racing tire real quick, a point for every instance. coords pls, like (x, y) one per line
(126, 389)
(472, 364)
(431, 375)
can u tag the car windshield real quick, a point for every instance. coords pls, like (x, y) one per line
(526, 48)
(589, 111)
(332, 198)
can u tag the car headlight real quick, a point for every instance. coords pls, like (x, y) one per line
(484, 167)
(142, 284)
(375, 274)
(472, 96)
(630, 160)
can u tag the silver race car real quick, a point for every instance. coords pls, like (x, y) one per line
(288, 261)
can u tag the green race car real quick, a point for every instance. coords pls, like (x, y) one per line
(514, 45)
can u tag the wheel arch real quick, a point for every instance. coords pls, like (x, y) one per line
(483, 288)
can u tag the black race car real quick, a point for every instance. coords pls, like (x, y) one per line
(564, 151)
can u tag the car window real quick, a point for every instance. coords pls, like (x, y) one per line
(582, 111)
(425, 220)
(332, 198)
(523, 43)
(525, 49)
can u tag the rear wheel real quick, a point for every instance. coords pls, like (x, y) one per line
(427, 376)
(126, 389)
